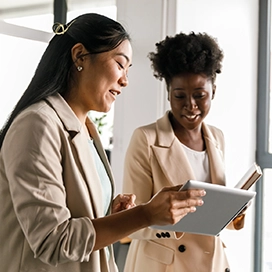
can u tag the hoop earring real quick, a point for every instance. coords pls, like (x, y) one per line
(79, 68)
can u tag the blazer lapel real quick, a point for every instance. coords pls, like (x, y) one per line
(216, 156)
(100, 149)
(170, 155)
(82, 153)
(88, 169)
(173, 160)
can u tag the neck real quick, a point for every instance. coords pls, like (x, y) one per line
(192, 138)
(76, 107)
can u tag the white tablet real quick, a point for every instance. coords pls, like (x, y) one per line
(221, 205)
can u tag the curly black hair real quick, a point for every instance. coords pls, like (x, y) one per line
(182, 53)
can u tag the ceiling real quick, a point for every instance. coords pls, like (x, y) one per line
(11, 8)
(11, 4)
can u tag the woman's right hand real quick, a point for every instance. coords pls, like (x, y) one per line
(170, 205)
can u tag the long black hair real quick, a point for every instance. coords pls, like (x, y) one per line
(96, 32)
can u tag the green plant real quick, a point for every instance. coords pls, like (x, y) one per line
(100, 123)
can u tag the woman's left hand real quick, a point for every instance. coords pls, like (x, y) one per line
(123, 202)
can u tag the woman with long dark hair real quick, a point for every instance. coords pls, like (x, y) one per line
(58, 210)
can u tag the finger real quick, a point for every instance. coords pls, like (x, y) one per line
(132, 199)
(192, 193)
(194, 202)
(187, 203)
(128, 206)
(124, 201)
(131, 203)
(116, 208)
(129, 198)
(118, 196)
(181, 213)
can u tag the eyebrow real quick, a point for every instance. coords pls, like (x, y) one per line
(125, 56)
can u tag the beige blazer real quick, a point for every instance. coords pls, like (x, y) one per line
(49, 191)
(156, 159)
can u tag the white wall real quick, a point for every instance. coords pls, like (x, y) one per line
(235, 25)
(143, 101)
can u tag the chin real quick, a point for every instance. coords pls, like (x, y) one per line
(104, 109)
(192, 126)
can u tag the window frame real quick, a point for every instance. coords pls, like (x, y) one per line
(263, 157)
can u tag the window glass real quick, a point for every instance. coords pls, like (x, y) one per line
(19, 58)
(104, 7)
(43, 22)
(35, 14)
(267, 177)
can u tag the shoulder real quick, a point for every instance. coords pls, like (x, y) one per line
(145, 135)
(34, 131)
(37, 116)
(34, 124)
(146, 129)
(215, 135)
(216, 132)
(151, 131)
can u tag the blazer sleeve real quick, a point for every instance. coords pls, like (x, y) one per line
(33, 155)
(138, 178)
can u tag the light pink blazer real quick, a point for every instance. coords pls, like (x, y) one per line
(156, 159)
(49, 191)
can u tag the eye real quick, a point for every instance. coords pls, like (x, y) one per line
(120, 65)
(179, 95)
(199, 95)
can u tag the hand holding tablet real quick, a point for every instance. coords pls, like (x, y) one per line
(221, 205)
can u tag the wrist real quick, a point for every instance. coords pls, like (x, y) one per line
(146, 214)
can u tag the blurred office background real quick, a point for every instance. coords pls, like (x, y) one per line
(241, 107)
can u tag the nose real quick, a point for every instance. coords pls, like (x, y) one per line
(123, 81)
(190, 104)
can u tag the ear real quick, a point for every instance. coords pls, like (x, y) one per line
(77, 52)
(213, 91)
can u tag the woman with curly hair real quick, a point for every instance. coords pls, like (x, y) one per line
(178, 147)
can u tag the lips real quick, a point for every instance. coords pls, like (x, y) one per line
(114, 92)
(191, 117)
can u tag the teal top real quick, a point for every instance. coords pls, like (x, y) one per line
(103, 175)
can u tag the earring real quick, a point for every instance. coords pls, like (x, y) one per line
(79, 68)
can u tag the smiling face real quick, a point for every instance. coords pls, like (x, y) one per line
(101, 79)
(190, 98)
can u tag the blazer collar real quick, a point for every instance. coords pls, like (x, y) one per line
(165, 132)
(216, 156)
(65, 113)
(173, 160)
(80, 142)
(100, 149)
